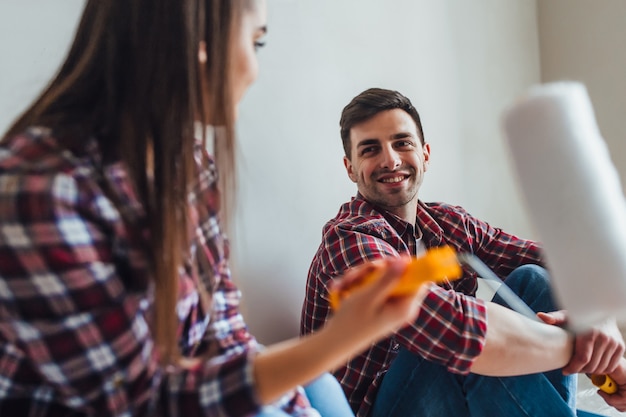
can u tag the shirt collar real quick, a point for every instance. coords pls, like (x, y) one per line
(426, 224)
(433, 233)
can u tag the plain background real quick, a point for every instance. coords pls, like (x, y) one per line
(461, 62)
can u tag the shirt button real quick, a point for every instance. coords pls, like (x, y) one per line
(396, 346)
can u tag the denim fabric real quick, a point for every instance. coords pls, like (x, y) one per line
(580, 413)
(272, 412)
(325, 395)
(531, 283)
(416, 387)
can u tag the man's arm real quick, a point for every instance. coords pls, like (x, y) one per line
(596, 351)
(451, 329)
(516, 345)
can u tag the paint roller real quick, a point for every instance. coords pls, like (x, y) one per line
(574, 198)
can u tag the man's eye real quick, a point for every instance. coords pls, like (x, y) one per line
(258, 45)
(368, 150)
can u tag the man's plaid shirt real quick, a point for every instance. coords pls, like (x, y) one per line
(451, 325)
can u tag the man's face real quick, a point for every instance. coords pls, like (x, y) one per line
(388, 160)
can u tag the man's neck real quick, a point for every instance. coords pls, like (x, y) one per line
(408, 212)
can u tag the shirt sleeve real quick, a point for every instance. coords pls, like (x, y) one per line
(340, 249)
(69, 323)
(450, 329)
(502, 252)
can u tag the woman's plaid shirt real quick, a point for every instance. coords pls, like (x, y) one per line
(74, 297)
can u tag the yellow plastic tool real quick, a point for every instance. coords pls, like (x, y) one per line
(437, 265)
(604, 383)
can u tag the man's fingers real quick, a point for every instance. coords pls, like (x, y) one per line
(617, 400)
(607, 360)
(581, 356)
(546, 318)
(615, 359)
(555, 318)
(598, 355)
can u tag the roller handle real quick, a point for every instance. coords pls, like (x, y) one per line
(436, 265)
(604, 383)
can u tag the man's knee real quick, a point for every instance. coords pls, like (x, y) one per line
(532, 284)
(529, 275)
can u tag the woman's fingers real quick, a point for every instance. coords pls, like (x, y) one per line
(375, 278)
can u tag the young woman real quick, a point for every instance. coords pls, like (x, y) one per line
(115, 291)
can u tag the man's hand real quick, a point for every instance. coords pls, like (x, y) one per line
(598, 351)
(617, 399)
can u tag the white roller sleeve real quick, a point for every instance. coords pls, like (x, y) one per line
(574, 198)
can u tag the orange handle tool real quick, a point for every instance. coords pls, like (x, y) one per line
(604, 383)
(437, 265)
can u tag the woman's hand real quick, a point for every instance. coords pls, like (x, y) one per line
(370, 312)
(367, 313)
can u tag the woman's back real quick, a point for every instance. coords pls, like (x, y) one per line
(74, 320)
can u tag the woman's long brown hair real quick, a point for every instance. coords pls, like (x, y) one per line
(132, 80)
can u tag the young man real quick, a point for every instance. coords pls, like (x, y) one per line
(437, 366)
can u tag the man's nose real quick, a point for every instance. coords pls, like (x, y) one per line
(390, 158)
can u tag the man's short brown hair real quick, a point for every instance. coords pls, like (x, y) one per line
(367, 105)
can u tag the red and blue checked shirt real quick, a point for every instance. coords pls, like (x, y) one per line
(74, 297)
(450, 328)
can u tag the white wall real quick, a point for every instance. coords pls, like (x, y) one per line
(584, 40)
(460, 62)
(34, 37)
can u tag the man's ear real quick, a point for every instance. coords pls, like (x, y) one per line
(348, 165)
(426, 150)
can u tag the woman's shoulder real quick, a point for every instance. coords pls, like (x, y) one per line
(36, 168)
(35, 151)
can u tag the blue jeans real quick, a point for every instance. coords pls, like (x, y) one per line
(416, 387)
(325, 395)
